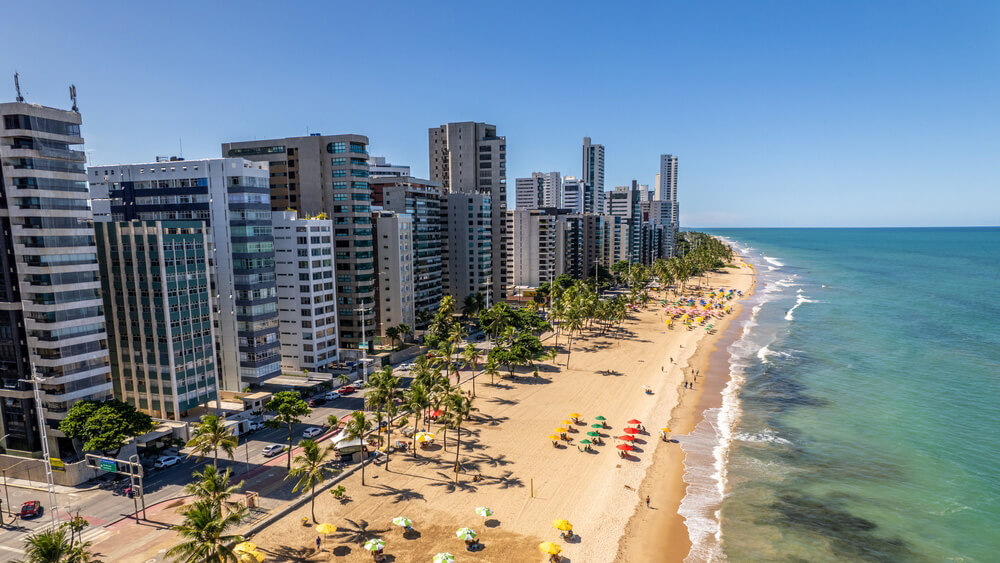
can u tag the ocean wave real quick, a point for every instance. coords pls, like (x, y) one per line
(767, 436)
(773, 261)
(798, 301)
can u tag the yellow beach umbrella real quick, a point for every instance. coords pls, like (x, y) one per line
(254, 556)
(553, 437)
(561, 524)
(559, 430)
(425, 437)
(567, 422)
(665, 429)
(549, 547)
(247, 546)
(326, 529)
(574, 415)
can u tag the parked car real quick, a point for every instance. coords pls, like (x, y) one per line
(31, 509)
(272, 450)
(256, 425)
(331, 395)
(345, 390)
(167, 461)
(312, 431)
(316, 401)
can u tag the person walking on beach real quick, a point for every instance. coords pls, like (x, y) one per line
(647, 501)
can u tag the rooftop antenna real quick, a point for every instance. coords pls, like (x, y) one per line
(180, 145)
(72, 96)
(17, 86)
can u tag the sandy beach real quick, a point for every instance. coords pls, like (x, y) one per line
(525, 480)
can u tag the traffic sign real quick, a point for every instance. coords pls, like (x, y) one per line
(109, 465)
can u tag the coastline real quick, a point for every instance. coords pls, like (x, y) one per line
(662, 534)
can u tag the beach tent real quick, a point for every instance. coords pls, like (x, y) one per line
(344, 445)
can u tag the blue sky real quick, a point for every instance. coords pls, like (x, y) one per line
(782, 113)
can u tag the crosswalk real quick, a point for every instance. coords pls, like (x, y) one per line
(10, 540)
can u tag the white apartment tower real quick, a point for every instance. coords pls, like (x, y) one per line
(542, 189)
(593, 175)
(307, 295)
(531, 247)
(573, 194)
(394, 239)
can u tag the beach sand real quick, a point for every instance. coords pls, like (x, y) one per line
(526, 481)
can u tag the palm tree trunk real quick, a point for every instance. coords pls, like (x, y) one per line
(569, 349)
(215, 452)
(364, 451)
(458, 447)
(289, 446)
(312, 504)
(388, 442)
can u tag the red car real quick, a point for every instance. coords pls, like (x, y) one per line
(346, 390)
(31, 509)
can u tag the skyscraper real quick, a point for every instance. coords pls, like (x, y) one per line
(592, 176)
(666, 179)
(574, 194)
(394, 263)
(230, 195)
(469, 158)
(51, 311)
(542, 189)
(329, 174)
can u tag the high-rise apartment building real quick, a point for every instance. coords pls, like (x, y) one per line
(307, 296)
(160, 315)
(394, 263)
(230, 195)
(666, 182)
(531, 247)
(330, 174)
(379, 168)
(542, 189)
(593, 176)
(624, 202)
(468, 263)
(469, 158)
(51, 312)
(423, 202)
(574, 194)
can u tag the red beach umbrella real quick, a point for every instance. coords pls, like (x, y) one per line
(624, 447)
(436, 412)
(631, 430)
(634, 421)
(627, 438)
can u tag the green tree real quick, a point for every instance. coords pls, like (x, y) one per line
(417, 399)
(491, 368)
(310, 470)
(210, 436)
(471, 356)
(104, 426)
(205, 536)
(357, 427)
(404, 331)
(288, 409)
(459, 409)
(55, 546)
(393, 334)
(212, 486)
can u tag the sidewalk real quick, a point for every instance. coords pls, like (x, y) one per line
(41, 486)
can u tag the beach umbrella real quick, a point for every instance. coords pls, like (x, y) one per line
(631, 431)
(665, 429)
(625, 447)
(466, 534)
(574, 415)
(436, 412)
(585, 442)
(483, 511)
(444, 558)
(254, 556)
(594, 434)
(553, 437)
(634, 421)
(425, 437)
(245, 546)
(567, 422)
(599, 418)
(549, 547)
(402, 521)
(627, 438)
(559, 430)
(562, 525)
(597, 426)
(374, 544)
(326, 529)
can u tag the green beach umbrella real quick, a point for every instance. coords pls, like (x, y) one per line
(585, 441)
(597, 426)
(374, 544)
(484, 511)
(599, 418)
(444, 558)
(466, 534)
(402, 521)
(594, 434)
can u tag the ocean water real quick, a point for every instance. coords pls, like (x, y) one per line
(862, 419)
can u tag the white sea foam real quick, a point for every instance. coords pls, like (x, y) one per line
(798, 301)
(773, 261)
(761, 437)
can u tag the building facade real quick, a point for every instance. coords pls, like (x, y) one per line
(379, 168)
(331, 175)
(159, 312)
(468, 158)
(230, 195)
(593, 175)
(423, 202)
(531, 247)
(51, 312)
(307, 295)
(394, 234)
(574, 194)
(468, 256)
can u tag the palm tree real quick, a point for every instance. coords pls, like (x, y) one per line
(404, 331)
(210, 436)
(444, 355)
(459, 409)
(573, 322)
(491, 368)
(471, 357)
(214, 487)
(357, 426)
(75, 525)
(204, 533)
(53, 546)
(417, 399)
(310, 470)
(393, 333)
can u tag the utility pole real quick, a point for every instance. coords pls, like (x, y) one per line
(364, 346)
(42, 430)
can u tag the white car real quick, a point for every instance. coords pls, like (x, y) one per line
(255, 425)
(166, 461)
(331, 395)
(273, 450)
(312, 431)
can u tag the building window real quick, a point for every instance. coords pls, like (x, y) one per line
(336, 148)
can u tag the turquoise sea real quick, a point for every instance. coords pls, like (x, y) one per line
(862, 419)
